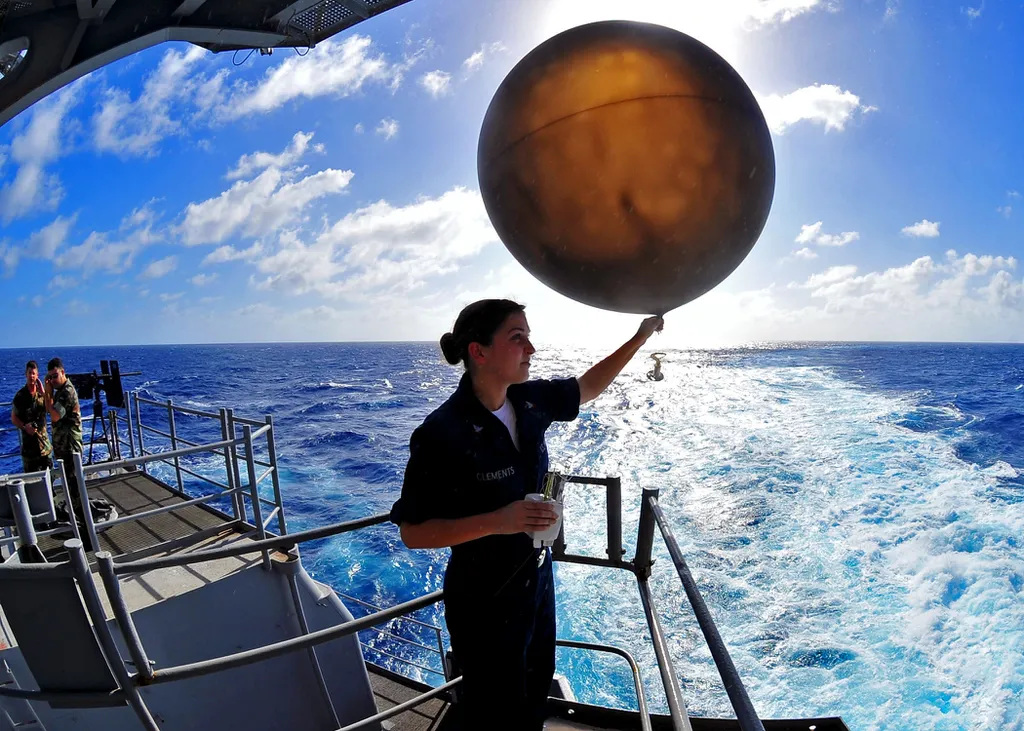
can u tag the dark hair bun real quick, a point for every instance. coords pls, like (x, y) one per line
(449, 349)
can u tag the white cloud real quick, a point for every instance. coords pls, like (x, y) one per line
(42, 141)
(44, 243)
(1013, 194)
(60, 282)
(170, 297)
(260, 206)
(382, 248)
(258, 310)
(37, 301)
(477, 59)
(437, 83)
(256, 161)
(335, 67)
(359, 128)
(105, 251)
(805, 253)
(973, 13)
(973, 265)
(926, 229)
(921, 286)
(824, 104)
(77, 308)
(160, 268)
(9, 256)
(224, 254)
(387, 128)
(128, 127)
(811, 234)
(1005, 210)
(892, 9)
(1003, 292)
(201, 280)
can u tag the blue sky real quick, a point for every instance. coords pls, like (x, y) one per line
(176, 197)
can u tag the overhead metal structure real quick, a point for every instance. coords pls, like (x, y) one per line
(47, 44)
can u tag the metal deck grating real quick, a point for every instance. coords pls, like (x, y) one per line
(388, 694)
(136, 493)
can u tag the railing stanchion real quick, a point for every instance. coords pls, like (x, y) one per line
(234, 464)
(130, 426)
(274, 478)
(645, 534)
(614, 510)
(138, 424)
(115, 446)
(236, 499)
(174, 445)
(83, 492)
(254, 490)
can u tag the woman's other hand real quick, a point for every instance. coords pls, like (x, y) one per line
(524, 516)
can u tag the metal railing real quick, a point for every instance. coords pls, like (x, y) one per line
(384, 634)
(245, 500)
(146, 675)
(650, 516)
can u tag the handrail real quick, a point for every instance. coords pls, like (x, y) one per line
(182, 409)
(168, 436)
(401, 659)
(284, 542)
(745, 713)
(403, 707)
(376, 608)
(641, 702)
(226, 662)
(151, 457)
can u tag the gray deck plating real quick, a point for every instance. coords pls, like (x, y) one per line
(137, 492)
(212, 594)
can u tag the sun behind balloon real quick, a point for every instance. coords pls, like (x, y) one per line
(627, 166)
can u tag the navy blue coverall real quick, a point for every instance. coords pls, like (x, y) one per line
(499, 589)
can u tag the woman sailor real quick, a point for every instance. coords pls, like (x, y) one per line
(471, 464)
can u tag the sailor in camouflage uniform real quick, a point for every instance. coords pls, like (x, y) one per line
(61, 400)
(28, 414)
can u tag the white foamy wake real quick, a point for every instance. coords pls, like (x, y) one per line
(854, 567)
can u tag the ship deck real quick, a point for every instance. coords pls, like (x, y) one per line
(198, 527)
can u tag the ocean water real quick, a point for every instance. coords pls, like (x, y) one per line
(853, 514)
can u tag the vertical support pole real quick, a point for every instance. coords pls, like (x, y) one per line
(131, 426)
(645, 535)
(138, 423)
(68, 503)
(115, 441)
(254, 489)
(123, 616)
(274, 478)
(234, 464)
(99, 624)
(236, 499)
(174, 444)
(83, 492)
(317, 670)
(614, 508)
(673, 694)
(28, 544)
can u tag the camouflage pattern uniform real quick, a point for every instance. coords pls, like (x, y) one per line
(67, 435)
(35, 448)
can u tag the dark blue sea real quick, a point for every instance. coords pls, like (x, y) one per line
(852, 513)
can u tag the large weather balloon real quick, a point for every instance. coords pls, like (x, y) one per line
(627, 166)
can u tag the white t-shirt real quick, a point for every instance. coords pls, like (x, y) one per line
(508, 417)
